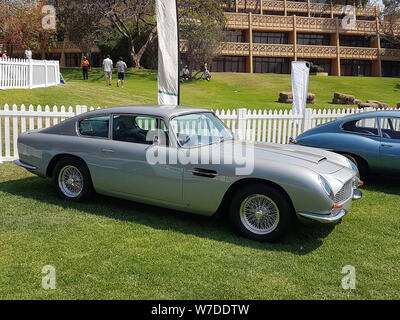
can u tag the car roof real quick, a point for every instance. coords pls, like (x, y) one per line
(151, 110)
(380, 113)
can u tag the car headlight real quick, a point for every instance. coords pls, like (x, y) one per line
(354, 167)
(327, 187)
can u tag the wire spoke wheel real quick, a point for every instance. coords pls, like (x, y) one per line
(259, 214)
(70, 181)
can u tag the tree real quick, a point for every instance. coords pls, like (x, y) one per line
(202, 26)
(24, 24)
(391, 22)
(133, 19)
(81, 24)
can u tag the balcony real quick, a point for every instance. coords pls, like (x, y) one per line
(272, 50)
(302, 24)
(316, 25)
(302, 7)
(237, 20)
(390, 28)
(390, 54)
(358, 53)
(235, 49)
(275, 23)
(319, 52)
(315, 52)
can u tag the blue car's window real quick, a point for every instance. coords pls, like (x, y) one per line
(95, 127)
(390, 128)
(368, 126)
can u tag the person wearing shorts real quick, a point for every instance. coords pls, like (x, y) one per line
(121, 67)
(108, 69)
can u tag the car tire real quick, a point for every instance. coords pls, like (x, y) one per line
(72, 180)
(360, 163)
(262, 213)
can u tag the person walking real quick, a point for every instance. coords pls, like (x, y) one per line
(85, 68)
(4, 55)
(28, 53)
(108, 69)
(121, 67)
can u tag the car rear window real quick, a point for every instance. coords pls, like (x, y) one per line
(95, 127)
(368, 126)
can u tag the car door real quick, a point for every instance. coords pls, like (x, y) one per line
(363, 139)
(389, 151)
(127, 163)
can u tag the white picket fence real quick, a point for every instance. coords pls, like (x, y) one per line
(28, 74)
(257, 125)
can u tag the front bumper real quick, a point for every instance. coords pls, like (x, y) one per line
(335, 215)
(24, 165)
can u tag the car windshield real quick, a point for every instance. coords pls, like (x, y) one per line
(198, 129)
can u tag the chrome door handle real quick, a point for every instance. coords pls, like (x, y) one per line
(204, 173)
(107, 150)
(386, 145)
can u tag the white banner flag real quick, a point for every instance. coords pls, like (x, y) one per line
(300, 76)
(168, 52)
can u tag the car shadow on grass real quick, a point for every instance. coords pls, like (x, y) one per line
(305, 239)
(382, 183)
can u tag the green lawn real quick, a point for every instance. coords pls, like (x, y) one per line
(226, 90)
(113, 249)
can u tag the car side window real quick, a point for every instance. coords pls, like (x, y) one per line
(137, 129)
(95, 127)
(390, 127)
(367, 126)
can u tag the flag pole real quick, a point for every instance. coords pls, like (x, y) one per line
(179, 54)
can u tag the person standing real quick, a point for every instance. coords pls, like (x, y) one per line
(121, 67)
(4, 55)
(108, 69)
(186, 73)
(85, 68)
(28, 53)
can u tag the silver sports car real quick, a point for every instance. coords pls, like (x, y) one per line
(186, 159)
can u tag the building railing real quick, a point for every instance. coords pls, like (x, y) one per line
(322, 52)
(272, 50)
(390, 54)
(358, 53)
(303, 7)
(234, 49)
(264, 22)
(28, 74)
(306, 51)
(302, 24)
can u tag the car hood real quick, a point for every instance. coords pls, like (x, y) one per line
(318, 160)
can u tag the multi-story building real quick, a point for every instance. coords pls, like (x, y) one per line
(266, 35)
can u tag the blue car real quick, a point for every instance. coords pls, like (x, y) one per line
(371, 140)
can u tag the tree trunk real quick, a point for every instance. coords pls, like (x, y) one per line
(136, 58)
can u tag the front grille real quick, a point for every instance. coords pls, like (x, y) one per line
(344, 193)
